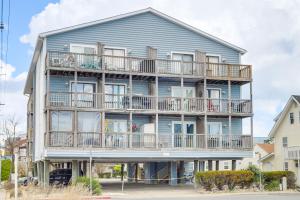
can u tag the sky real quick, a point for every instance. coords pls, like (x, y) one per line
(268, 30)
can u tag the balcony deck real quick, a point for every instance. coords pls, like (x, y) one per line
(147, 67)
(150, 104)
(148, 142)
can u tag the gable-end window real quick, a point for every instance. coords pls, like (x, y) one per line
(284, 142)
(286, 166)
(292, 118)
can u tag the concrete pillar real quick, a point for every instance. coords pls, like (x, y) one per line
(202, 166)
(74, 170)
(217, 165)
(173, 173)
(147, 171)
(35, 170)
(210, 165)
(181, 172)
(196, 166)
(233, 165)
(39, 172)
(46, 172)
(130, 172)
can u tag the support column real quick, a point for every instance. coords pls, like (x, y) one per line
(233, 165)
(40, 172)
(136, 172)
(182, 139)
(74, 170)
(196, 166)
(84, 167)
(210, 165)
(122, 172)
(130, 172)
(205, 110)
(103, 113)
(130, 130)
(46, 172)
(230, 111)
(156, 130)
(147, 171)
(202, 166)
(173, 173)
(181, 172)
(251, 97)
(217, 165)
(75, 112)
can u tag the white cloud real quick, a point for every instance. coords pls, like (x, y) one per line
(11, 95)
(269, 30)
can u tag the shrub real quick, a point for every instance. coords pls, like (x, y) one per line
(210, 179)
(104, 175)
(5, 169)
(85, 181)
(272, 186)
(256, 172)
(268, 177)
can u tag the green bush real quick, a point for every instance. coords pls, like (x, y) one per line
(232, 179)
(256, 172)
(268, 177)
(104, 175)
(5, 169)
(96, 187)
(272, 186)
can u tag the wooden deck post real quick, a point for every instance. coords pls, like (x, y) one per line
(229, 110)
(75, 120)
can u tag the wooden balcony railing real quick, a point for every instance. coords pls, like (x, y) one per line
(142, 140)
(147, 66)
(164, 104)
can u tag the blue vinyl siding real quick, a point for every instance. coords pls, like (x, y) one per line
(137, 32)
(236, 125)
(62, 83)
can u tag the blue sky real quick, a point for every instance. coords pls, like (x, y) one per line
(269, 30)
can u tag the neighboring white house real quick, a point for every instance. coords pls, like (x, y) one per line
(285, 135)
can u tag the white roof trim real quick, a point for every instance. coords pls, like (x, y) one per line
(266, 157)
(281, 116)
(241, 50)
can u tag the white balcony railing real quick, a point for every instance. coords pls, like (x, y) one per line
(147, 66)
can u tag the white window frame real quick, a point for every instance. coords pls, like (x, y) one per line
(116, 48)
(184, 127)
(184, 53)
(119, 120)
(213, 88)
(214, 55)
(83, 45)
(87, 82)
(124, 84)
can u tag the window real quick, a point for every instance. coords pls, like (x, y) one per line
(89, 122)
(85, 96)
(186, 61)
(115, 96)
(114, 59)
(226, 165)
(284, 142)
(61, 121)
(286, 166)
(214, 128)
(214, 102)
(292, 118)
(88, 59)
(212, 59)
(116, 126)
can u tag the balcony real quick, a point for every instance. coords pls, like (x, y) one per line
(147, 103)
(149, 141)
(145, 66)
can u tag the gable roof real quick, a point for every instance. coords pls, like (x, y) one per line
(269, 148)
(280, 116)
(153, 11)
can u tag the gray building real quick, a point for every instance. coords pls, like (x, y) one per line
(141, 87)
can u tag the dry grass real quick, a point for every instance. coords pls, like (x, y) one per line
(73, 192)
